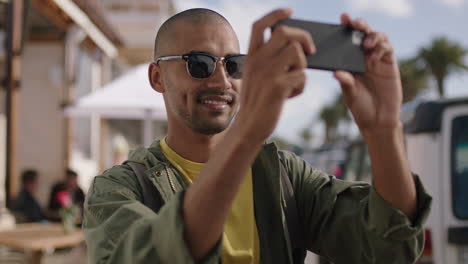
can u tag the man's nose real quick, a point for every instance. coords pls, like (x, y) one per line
(220, 78)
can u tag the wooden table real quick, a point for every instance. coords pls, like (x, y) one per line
(36, 238)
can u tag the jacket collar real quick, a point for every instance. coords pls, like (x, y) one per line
(266, 183)
(160, 171)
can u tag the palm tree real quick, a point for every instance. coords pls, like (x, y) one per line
(331, 115)
(306, 135)
(330, 119)
(442, 58)
(342, 110)
(413, 78)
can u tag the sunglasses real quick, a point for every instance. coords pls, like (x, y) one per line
(202, 65)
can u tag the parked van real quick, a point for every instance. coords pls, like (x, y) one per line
(436, 139)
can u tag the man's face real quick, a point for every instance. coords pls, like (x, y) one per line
(71, 182)
(206, 106)
(32, 185)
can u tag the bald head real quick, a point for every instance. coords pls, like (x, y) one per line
(196, 16)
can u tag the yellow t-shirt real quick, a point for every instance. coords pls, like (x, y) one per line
(240, 237)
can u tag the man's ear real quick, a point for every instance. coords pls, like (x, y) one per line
(154, 75)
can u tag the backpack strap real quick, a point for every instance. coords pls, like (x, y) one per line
(151, 197)
(292, 216)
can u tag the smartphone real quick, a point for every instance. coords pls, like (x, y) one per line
(339, 47)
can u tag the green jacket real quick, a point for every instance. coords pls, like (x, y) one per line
(348, 222)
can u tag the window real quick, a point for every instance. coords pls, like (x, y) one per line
(459, 166)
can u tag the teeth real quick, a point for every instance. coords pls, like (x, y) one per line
(214, 102)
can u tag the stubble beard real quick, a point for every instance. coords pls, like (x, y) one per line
(202, 125)
(205, 123)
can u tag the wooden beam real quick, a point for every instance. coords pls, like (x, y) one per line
(13, 77)
(53, 13)
(89, 45)
(73, 37)
(67, 142)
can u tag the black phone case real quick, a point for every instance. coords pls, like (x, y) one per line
(339, 47)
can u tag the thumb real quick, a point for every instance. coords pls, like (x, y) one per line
(348, 85)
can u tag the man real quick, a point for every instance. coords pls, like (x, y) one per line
(25, 207)
(218, 181)
(70, 185)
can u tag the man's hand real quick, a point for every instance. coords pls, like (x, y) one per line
(375, 97)
(274, 72)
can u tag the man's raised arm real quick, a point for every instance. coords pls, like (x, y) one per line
(375, 100)
(274, 71)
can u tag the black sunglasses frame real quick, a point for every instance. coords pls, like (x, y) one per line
(186, 58)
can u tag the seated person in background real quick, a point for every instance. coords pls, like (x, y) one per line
(70, 185)
(25, 207)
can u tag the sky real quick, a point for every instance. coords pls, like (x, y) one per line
(410, 25)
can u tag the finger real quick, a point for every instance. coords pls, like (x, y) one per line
(284, 34)
(373, 39)
(362, 25)
(294, 82)
(258, 28)
(347, 82)
(384, 51)
(298, 80)
(345, 19)
(292, 57)
(297, 91)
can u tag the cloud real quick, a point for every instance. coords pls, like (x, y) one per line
(453, 3)
(395, 8)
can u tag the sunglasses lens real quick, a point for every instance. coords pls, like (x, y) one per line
(235, 66)
(200, 66)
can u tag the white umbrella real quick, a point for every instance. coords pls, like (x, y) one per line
(128, 97)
